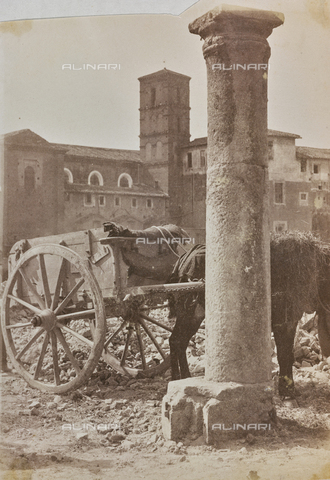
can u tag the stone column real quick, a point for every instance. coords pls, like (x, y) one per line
(238, 329)
(236, 394)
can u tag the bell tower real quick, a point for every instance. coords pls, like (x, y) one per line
(164, 128)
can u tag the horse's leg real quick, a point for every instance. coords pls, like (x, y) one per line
(284, 325)
(174, 342)
(324, 330)
(191, 327)
(3, 355)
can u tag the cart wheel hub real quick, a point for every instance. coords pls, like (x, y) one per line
(46, 319)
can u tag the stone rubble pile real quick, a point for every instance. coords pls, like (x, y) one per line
(307, 351)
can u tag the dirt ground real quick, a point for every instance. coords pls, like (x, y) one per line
(114, 432)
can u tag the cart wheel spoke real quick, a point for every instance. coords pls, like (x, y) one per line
(41, 357)
(53, 339)
(18, 325)
(141, 346)
(60, 280)
(128, 339)
(29, 344)
(67, 350)
(152, 338)
(155, 322)
(32, 289)
(77, 335)
(24, 304)
(44, 278)
(69, 296)
(119, 329)
(77, 315)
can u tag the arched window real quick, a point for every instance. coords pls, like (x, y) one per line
(29, 179)
(68, 177)
(95, 178)
(125, 180)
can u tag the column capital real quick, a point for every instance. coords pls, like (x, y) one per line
(228, 22)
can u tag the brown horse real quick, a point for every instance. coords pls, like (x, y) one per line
(300, 282)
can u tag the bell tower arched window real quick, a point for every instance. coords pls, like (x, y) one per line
(29, 179)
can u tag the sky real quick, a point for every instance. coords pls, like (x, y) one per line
(100, 108)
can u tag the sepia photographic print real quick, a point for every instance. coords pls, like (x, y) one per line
(165, 240)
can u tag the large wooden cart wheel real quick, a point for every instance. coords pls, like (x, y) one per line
(50, 304)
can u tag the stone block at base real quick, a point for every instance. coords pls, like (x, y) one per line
(218, 411)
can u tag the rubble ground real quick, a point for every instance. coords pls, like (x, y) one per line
(111, 429)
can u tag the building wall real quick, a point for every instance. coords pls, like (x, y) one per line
(294, 212)
(81, 167)
(31, 211)
(282, 162)
(138, 215)
(38, 211)
(89, 206)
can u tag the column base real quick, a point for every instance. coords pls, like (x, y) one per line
(194, 406)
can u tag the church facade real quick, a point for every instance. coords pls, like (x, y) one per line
(49, 188)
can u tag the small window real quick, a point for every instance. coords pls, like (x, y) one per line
(102, 200)
(316, 168)
(149, 203)
(67, 196)
(202, 158)
(29, 179)
(270, 150)
(280, 227)
(88, 200)
(303, 198)
(279, 197)
(117, 201)
(189, 160)
(134, 202)
(179, 125)
(303, 165)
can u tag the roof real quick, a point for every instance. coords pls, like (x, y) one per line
(312, 152)
(162, 73)
(28, 138)
(25, 137)
(100, 153)
(202, 141)
(276, 133)
(136, 189)
(197, 142)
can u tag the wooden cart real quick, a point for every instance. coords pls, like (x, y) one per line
(72, 298)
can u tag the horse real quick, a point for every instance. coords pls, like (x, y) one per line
(300, 276)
